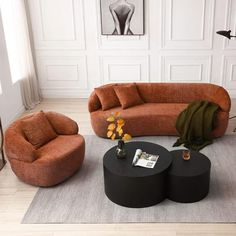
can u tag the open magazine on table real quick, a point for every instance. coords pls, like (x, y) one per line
(144, 159)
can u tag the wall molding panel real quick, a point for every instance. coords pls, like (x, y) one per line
(177, 68)
(229, 73)
(230, 23)
(63, 73)
(124, 69)
(179, 45)
(61, 28)
(185, 28)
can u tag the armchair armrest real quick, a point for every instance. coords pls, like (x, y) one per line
(62, 124)
(16, 147)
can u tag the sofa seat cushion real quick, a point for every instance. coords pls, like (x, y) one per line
(141, 120)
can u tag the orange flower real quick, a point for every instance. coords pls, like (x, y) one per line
(126, 137)
(110, 119)
(115, 127)
(120, 122)
(113, 137)
(109, 134)
(118, 128)
(117, 114)
(120, 132)
(111, 126)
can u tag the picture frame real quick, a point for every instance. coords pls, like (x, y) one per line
(122, 17)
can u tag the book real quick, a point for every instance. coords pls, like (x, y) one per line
(144, 159)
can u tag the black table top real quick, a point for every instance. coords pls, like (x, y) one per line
(197, 165)
(123, 167)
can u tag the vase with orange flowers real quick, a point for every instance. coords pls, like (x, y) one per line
(115, 130)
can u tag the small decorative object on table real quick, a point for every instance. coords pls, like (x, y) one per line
(186, 155)
(115, 130)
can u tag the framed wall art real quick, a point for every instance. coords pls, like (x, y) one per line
(122, 17)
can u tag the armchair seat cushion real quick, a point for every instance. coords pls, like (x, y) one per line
(59, 148)
(56, 162)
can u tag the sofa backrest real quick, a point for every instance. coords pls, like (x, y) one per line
(184, 93)
(176, 93)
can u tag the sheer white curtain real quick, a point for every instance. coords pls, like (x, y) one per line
(17, 35)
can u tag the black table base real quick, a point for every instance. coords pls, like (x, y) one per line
(136, 187)
(188, 181)
(188, 190)
(135, 192)
(172, 177)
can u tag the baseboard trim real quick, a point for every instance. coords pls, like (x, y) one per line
(62, 93)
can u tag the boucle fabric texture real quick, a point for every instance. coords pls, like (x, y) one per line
(108, 97)
(51, 163)
(162, 104)
(128, 96)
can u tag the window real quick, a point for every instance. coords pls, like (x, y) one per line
(13, 25)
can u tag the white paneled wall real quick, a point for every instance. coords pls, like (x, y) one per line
(187, 24)
(179, 45)
(186, 68)
(124, 69)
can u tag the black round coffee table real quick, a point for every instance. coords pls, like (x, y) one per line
(131, 186)
(188, 181)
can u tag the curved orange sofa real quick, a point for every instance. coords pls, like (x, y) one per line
(53, 162)
(162, 104)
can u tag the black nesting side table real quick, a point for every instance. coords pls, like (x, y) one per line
(188, 181)
(136, 186)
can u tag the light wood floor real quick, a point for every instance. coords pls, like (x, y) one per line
(16, 196)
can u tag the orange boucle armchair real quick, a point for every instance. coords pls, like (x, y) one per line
(44, 149)
(152, 108)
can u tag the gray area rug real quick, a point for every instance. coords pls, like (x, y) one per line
(81, 199)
